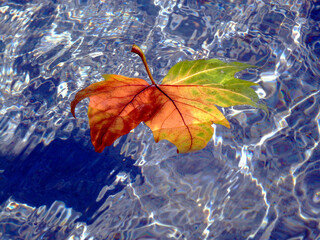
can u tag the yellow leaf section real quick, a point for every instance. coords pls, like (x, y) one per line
(184, 117)
(214, 77)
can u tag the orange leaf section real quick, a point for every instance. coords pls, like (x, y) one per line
(173, 112)
(117, 105)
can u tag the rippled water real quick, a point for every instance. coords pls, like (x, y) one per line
(260, 179)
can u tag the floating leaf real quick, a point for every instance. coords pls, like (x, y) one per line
(180, 110)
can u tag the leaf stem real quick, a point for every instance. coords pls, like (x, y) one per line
(137, 50)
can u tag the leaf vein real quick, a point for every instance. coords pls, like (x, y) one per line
(200, 72)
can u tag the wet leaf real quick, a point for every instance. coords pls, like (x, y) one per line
(180, 110)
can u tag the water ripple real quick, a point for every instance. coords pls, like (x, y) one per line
(20, 221)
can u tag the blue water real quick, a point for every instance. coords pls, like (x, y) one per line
(260, 179)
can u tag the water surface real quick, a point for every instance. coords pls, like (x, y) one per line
(260, 179)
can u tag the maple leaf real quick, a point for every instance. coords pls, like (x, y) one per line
(181, 110)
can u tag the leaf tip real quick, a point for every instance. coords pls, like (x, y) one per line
(99, 150)
(224, 122)
(264, 108)
(73, 107)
